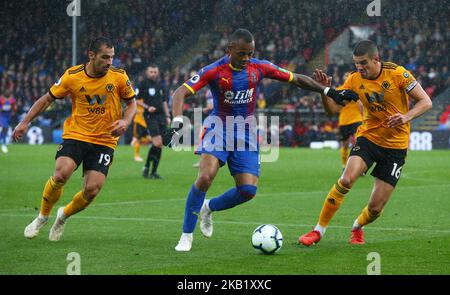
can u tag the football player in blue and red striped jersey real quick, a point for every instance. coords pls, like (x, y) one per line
(233, 81)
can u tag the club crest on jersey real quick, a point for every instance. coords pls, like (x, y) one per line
(229, 95)
(152, 91)
(109, 87)
(385, 85)
(405, 74)
(195, 79)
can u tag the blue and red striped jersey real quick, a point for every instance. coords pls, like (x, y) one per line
(7, 106)
(235, 91)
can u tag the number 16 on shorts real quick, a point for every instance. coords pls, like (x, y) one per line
(396, 171)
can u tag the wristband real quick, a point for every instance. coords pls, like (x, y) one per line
(177, 121)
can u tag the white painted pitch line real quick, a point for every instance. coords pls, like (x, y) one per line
(140, 219)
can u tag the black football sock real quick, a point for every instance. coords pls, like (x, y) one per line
(157, 157)
(150, 157)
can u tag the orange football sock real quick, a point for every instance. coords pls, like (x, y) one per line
(136, 147)
(332, 203)
(366, 217)
(344, 155)
(77, 204)
(51, 194)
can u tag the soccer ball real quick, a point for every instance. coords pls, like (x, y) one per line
(267, 239)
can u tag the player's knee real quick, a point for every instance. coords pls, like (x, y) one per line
(347, 181)
(375, 209)
(91, 191)
(247, 191)
(60, 177)
(203, 182)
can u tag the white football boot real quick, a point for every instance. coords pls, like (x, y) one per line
(206, 223)
(185, 243)
(58, 227)
(32, 230)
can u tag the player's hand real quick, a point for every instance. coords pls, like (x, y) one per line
(19, 131)
(119, 127)
(340, 96)
(322, 78)
(397, 120)
(151, 109)
(173, 134)
(168, 121)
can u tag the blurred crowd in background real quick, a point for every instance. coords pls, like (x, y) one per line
(36, 46)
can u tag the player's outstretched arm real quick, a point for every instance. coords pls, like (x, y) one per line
(178, 98)
(307, 83)
(423, 104)
(330, 106)
(339, 97)
(166, 111)
(38, 107)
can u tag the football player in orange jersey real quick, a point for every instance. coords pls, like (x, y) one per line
(140, 131)
(90, 133)
(383, 89)
(350, 118)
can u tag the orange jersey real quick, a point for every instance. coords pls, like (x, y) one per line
(139, 117)
(96, 103)
(350, 114)
(383, 97)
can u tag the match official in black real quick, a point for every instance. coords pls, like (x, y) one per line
(156, 114)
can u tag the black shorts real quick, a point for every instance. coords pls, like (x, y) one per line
(389, 161)
(139, 131)
(156, 124)
(345, 131)
(94, 157)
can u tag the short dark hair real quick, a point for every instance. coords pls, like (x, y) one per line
(152, 65)
(365, 47)
(98, 42)
(242, 34)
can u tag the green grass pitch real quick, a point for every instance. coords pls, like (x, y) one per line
(134, 224)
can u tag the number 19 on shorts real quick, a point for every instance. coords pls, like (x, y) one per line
(104, 159)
